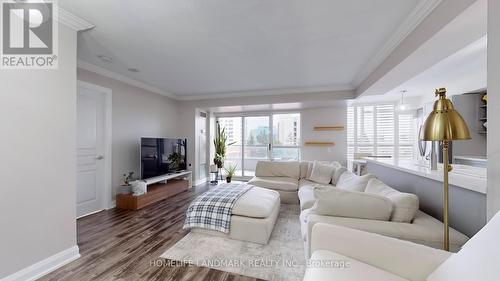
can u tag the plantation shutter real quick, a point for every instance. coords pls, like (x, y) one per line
(380, 131)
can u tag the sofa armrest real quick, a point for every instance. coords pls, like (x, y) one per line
(408, 260)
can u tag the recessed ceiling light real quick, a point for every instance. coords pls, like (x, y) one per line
(133, 70)
(105, 59)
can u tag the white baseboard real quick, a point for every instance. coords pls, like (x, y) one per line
(45, 266)
(111, 205)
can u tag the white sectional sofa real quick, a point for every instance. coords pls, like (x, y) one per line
(380, 209)
(280, 176)
(345, 254)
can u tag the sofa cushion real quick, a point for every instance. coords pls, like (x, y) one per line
(337, 173)
(306, 196)
(405, 204)
(306, 193)
(327, 265)
(276, 183)
(344, 203)
(322, 173)
(257, 202)
(278, 169)
(309, 169)
(350, 181)
(310, 166)
(424, 230)
(304, 166)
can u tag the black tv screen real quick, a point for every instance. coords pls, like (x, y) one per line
(160, 156)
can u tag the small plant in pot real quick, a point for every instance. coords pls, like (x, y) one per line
(230, 171)
(127, 178)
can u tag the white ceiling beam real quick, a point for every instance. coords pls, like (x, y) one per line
(423, 9)
(73, 21)
(451, 26)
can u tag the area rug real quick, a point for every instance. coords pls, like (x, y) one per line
(281, 259)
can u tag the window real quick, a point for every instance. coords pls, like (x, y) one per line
(233, 129)
(380, 131)
(286, 140)
(407, 139)
(260, 137)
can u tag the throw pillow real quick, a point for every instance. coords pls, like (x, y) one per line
(352, 204)
(322, 173)
(304, 166)
(337, 173)
(405, 204)
(350, 181)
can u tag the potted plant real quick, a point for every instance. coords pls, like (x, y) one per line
(220, 146)
(230, 171)
(127, 178)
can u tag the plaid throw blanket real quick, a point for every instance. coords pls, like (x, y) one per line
(213, 209)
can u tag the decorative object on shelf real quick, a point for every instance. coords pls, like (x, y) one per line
(483, 114)
(230, 171)
(127, 178)
(319, 143)
(445, 124)
(139, 187)
(402, 106)
(328, 128)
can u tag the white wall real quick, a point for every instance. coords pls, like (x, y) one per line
(136, 113)
(331, 116)
(38, 160)
(493, 195)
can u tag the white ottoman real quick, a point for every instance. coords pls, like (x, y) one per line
(254, 216)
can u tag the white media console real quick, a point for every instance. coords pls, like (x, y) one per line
(164, 178)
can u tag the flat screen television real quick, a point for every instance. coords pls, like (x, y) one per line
(160, 156)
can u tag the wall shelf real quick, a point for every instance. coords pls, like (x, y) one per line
(319, 143)
(328, 128)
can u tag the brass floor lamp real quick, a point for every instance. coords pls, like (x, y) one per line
(445, 124)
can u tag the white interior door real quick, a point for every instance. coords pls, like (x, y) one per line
(90, 151)
(202, 138)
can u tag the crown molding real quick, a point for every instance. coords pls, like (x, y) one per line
(190, 97)
(73, 21)
(269, 92)
(421, 11)
(122, 78)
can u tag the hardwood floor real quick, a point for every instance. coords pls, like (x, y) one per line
(126, 245)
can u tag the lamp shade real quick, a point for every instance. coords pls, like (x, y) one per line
(444, 123)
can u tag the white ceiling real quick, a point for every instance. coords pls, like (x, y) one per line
(199, 48)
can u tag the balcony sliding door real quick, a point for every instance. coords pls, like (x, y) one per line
(257, 140)
(261, 137)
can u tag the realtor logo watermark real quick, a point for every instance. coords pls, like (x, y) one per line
(29, 35)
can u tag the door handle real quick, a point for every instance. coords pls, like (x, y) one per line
(99, 157)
